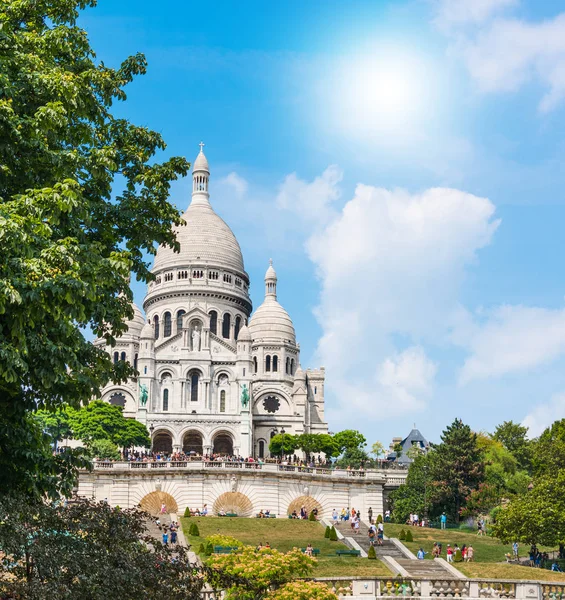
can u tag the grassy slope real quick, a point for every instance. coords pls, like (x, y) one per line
(487, 549)
(508, 571)
(285, 534)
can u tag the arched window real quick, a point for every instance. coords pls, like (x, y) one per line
(275, 363)
(292, 367)
(267, 363)
(226, 326)
(261, 449)
(223, 401)
(213, 322)
(194, 378)
(116, 357)
(135, 362)
(165, 400)
(123, 357)
(254, 364)
(287, 368)
(167, 327)
(237, 326)
(156, 325)
(179, 320)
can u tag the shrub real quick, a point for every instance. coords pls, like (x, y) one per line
(186, 512)
(327, 532)
(312, 516)
(458, 557)
(202, 549)
(371, 555)
(333, 534)
(379, 519)
(209, 549)
(302, 590)
(402, 535)
(194, 530)
(224, 540)
(408, 536)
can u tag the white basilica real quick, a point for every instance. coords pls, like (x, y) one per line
(212, 379)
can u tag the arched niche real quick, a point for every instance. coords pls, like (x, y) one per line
(223, 443)
(309, 504)
(153, 502)
(162, 442)
(192, 442)
(233, 502)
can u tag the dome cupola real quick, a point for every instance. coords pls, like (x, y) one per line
(271, 322)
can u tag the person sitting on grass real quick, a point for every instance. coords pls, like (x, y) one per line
(421, 554)
(555, 567)
(267, 514)
(261, 514)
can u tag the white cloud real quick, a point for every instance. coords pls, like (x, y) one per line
(543, 415)
(504, 54)
(460, 12)
(391, 264)
(510, 339)
(237, 182)
(311, 201)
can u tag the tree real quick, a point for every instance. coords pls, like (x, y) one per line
(457, 468)
(71, 231)
(514, 438)
(312, 443)
(259, 570)
(104, 450)
(349, 439)
(354, 458)
(55, 424)
(411, 496)
(377, 450)
(105, 552)
(398, 449)
(548, 451)
(103, 421)
(537, 517)
(282, 444)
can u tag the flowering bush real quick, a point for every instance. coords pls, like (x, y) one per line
(258, 570)
(302, 590)
(224, 540)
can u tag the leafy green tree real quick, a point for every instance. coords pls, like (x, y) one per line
(412, 496)
(514, 438)
(548, 451)
(349, 439)
(354, 458)
(377, 450)
(457, 468)
(105, 551)
(104, 450)
(312, 443)
(398, 449)
(537, 517)
(72, 232)
(103, 421)
(56, 424)
(283, 444)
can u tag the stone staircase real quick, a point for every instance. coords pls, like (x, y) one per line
(414, 567)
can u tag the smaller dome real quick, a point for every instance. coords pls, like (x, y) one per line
(271, 322)
(244, 334)
(135, 325)
(201, 162)
(271, 273)
(147, 332)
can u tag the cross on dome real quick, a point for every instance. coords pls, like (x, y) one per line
(202, 144)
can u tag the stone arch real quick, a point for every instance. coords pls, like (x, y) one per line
(152, 503)
(193, 441)
(222, 443)
(162, 441)
(309, 504)
(233, 502)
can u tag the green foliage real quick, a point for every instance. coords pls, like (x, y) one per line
(103, 421)
(103, 450)
(202, 549)
(312, 516)
(458, 557)
(398, 449)
(333, 534)
(349, 439)
(371, 554)
(193, 530)
(548, 451)
(56, 424)
(377, 449)
(72, 231)
(379, 519)
(402, 535)
(354, 458)
(327, 532)
(537, 517)
(514, 438)
(317, 442)
(302, 590)
(224, 540)
(209, 549)
(105, 552)
(456, 468)
(283, 444)
(408, 537)
(410, 497)
(187, 512)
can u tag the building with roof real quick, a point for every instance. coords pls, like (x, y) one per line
(213, 376)
(413, 440)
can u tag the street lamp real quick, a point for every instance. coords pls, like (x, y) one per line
(282, 443)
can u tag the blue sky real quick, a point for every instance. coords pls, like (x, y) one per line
(403, 164)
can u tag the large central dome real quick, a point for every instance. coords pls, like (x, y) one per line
(205, 239)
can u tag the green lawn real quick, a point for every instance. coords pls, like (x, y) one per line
(487, 549)
(284, 535)
(508, 571)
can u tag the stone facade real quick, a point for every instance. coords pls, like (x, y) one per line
(213, 378)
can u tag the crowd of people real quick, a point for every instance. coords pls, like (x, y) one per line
(169, 531)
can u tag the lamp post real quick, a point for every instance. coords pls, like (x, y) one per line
(282, 443)
(151, 430)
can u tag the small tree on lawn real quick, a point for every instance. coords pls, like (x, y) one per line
(312, 516)
(402, 535)
(327, 532)
(187, 512)
(371, 555)
(379, 519)
(408, 536)
(333, 534)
